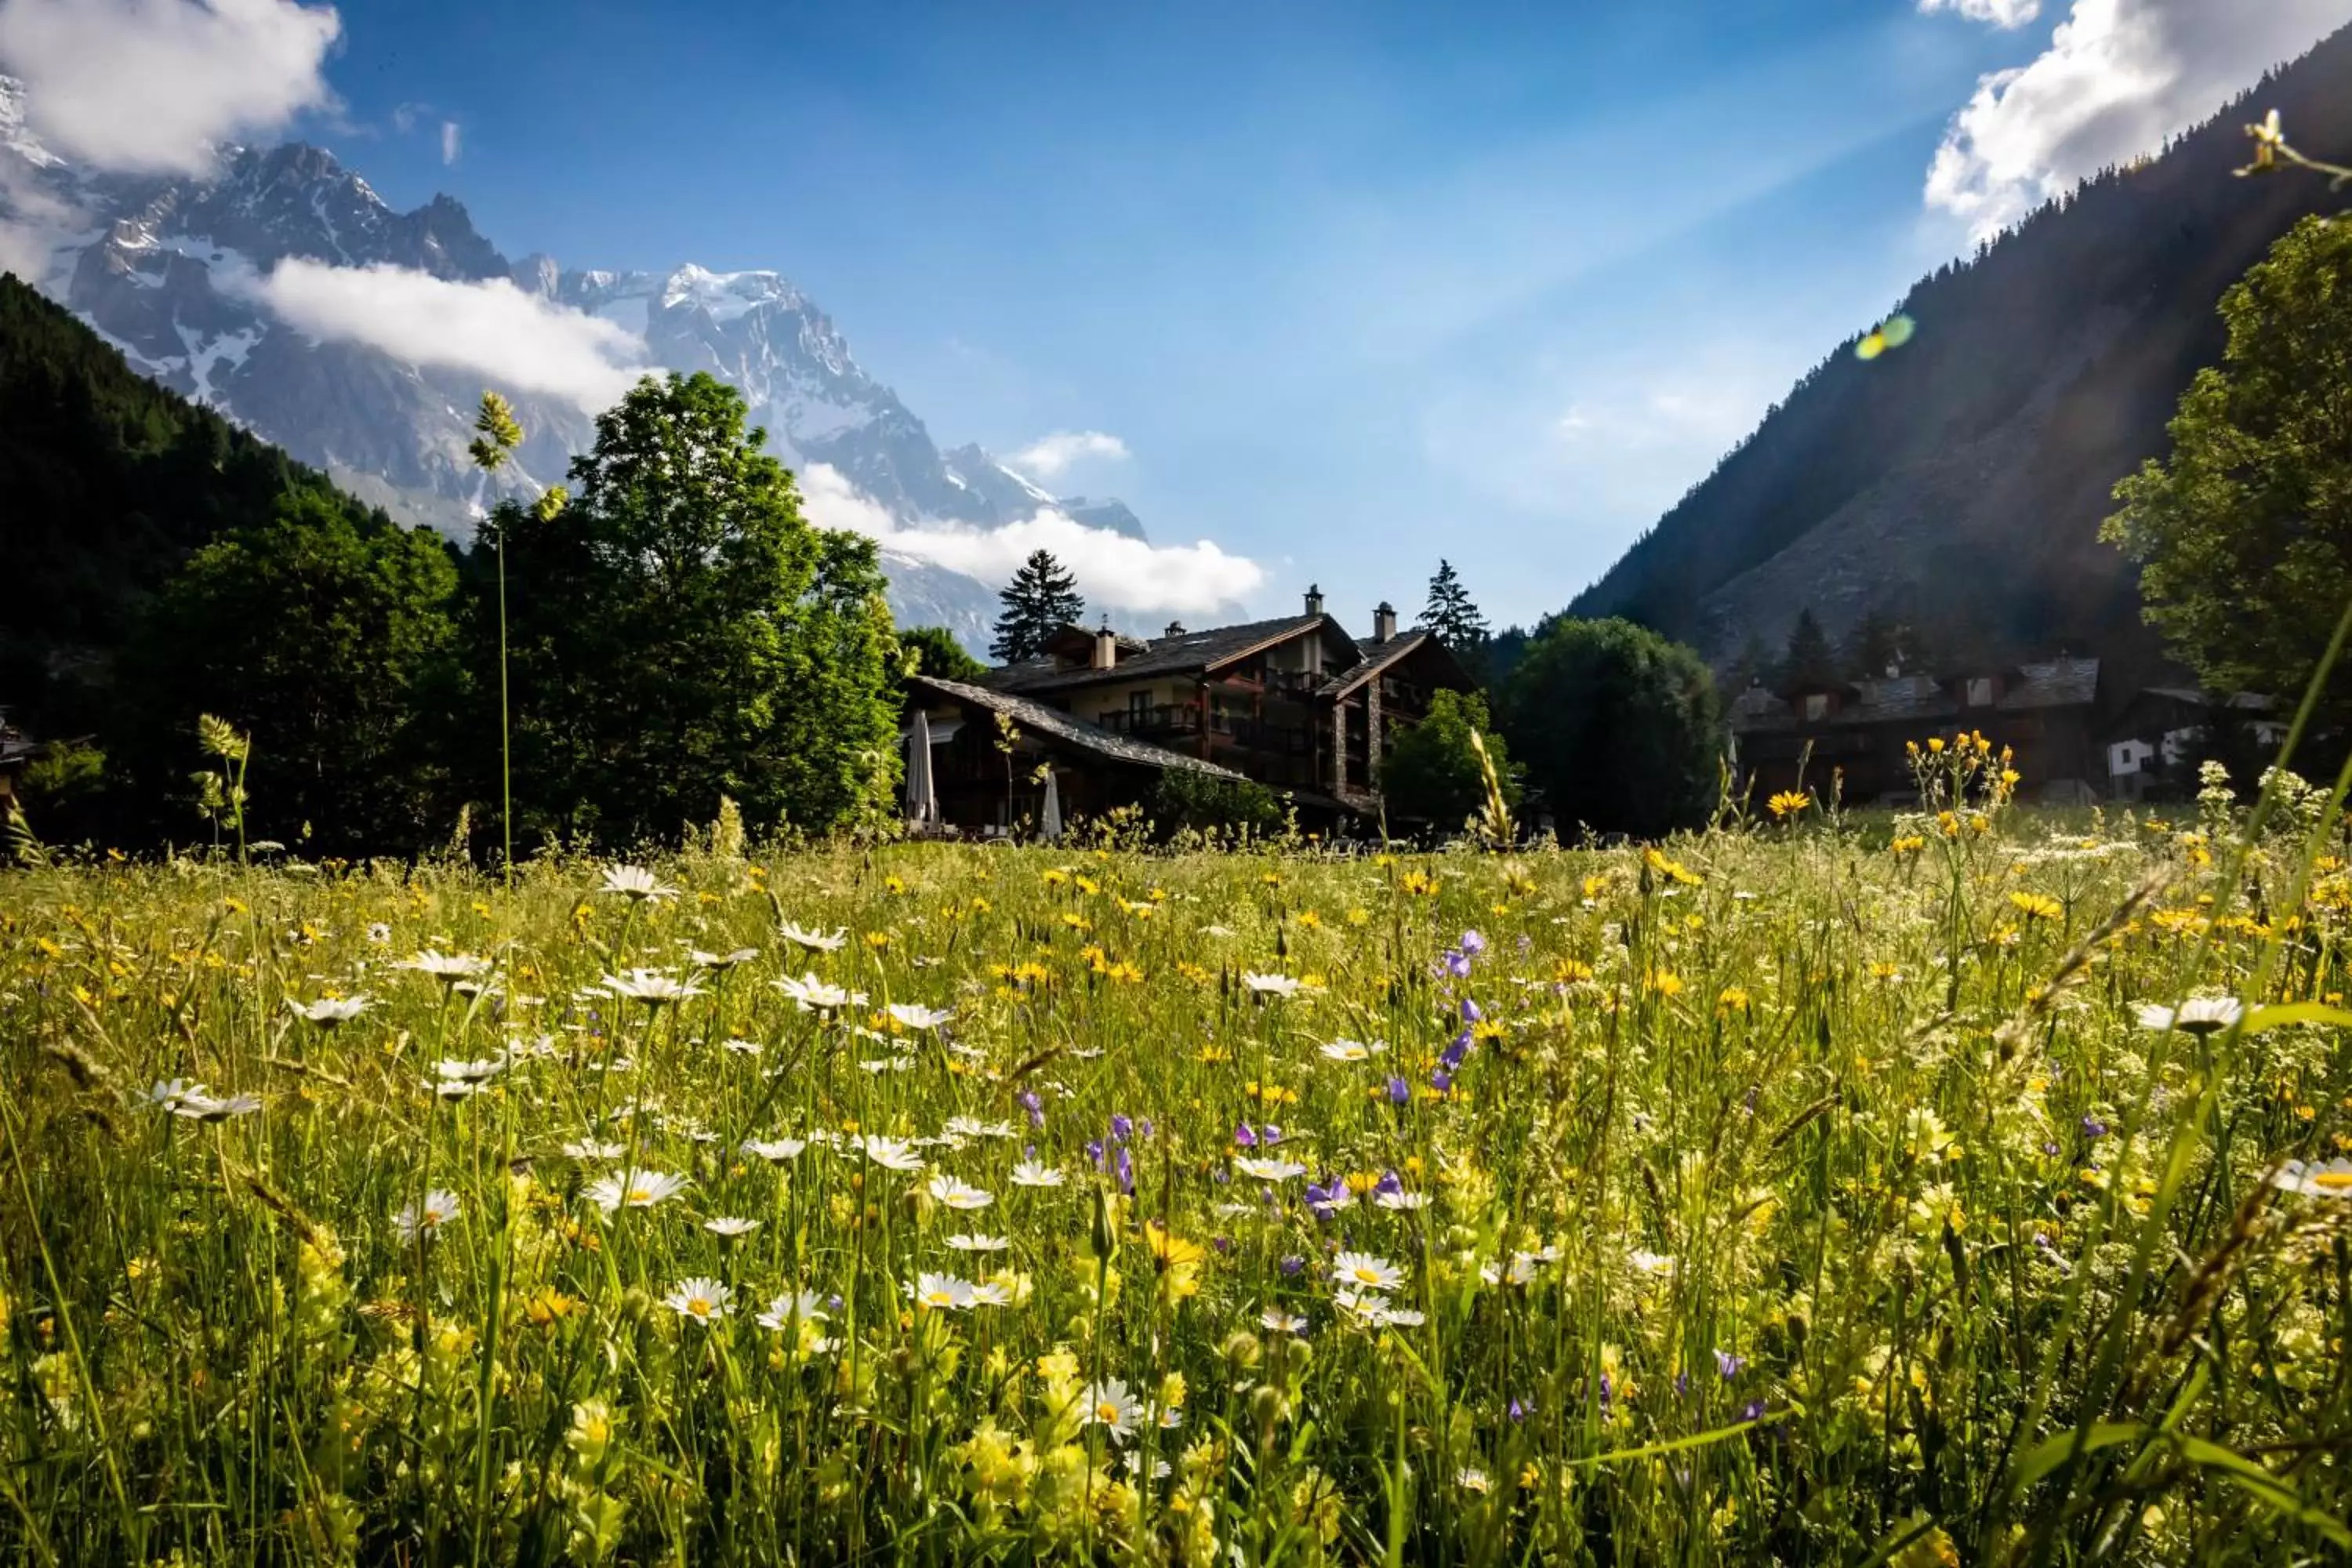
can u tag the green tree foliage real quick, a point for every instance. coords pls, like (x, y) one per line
(1207, 803)
(1808, 660)
(679, 632)
(329, 640)
(107, 483)
(1042, 598)
(1616, 727)
(934, 650)
(2244, 537)
(1455, 621)
(1432, 774)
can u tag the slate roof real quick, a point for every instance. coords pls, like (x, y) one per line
(1923, 698)
(1062, 727)
(1165, 655)
(1378, 656)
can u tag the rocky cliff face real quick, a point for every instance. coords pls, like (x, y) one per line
(164, 268)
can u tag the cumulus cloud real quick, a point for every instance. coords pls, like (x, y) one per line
(2118, 76)
(1113, 571)
(450, 138)
(2004, 14)
(491, 328)
(1052, 457)
(151, 85)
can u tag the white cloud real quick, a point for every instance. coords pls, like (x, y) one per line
(150, 86)
(2118, 76)
(1114, 572)
(1052, 456)
(2005, 14)
(491, 328)
(450, 138)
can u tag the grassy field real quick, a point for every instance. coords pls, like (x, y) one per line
(1796, 1192)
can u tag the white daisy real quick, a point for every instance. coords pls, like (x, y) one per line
(2332, 1179)
(814, 995)
(653, 987)
(803, 1305)
(702, 960)
(969, 1242)
(890, 1153)
(1353, 1050)
(918, 1018)
(775, 1151)
(591, 1149)
(427, 1219)
(1270, 985)
(728, 1226)
(704, 1300)
(637, 1190)
(1032, 1173)
(1277, 1322)
(328, 1011)
(1259, 1170)
(1402, 1202)
(941, 1292)
(972, 1126)
(1364, 1271)
(2198, 1015)
(634, 882)
(1111, 1406)
(450, 1069)
(813, 942)
(1472, 1479)
(956, 1194)
(446, 967)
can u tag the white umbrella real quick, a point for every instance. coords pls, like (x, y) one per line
(922, 791)
(1049, 822)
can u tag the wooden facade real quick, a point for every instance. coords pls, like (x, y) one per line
(1856, 736)
(1296, 704)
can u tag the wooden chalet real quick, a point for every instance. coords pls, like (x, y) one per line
(1296, 704)
(1858, 732)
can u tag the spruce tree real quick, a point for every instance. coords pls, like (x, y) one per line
(1451, 617)
(1042, 598)
(1809, 660)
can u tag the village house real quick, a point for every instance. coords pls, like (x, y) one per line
(1296, 704)
(1855, 735)
(2156, 736)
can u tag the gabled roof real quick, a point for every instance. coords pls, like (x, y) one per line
(1178, 654)
(1379, 657)
(1920, 699)
(1062, 727)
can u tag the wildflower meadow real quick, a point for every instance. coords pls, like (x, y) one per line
(1963, 1187)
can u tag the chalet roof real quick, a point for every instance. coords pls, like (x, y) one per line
(2053, 683)
(2249, 701)
(1178, 654)
(1926, 699)
(1378, 656)
(1062, 727)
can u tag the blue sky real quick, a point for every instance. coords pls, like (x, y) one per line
(1354, 286)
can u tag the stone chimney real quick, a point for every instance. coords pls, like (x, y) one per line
(1175, 629)
(1106, 647)
(1384, 622)
(1314, 600)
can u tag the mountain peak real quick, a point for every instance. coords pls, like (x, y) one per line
(724, 296)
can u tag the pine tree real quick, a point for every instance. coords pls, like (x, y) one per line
(1450, 615)
(1042, 598)
(1809, 660)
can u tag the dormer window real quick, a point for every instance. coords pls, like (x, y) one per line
(1817, 706)
(1979, 690)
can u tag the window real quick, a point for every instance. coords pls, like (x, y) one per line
(1817, 706)
(1138, 707)
(1979, 690)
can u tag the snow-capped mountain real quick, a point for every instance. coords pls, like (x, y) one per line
(165, 268)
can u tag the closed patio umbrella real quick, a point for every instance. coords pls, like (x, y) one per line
(1049, 822)
(922, 790)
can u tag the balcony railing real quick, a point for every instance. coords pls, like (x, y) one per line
(1162, 719)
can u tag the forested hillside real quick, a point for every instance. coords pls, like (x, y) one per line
(1956, 484)
(111, 482)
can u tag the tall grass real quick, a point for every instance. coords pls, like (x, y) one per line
(1816, 1192)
